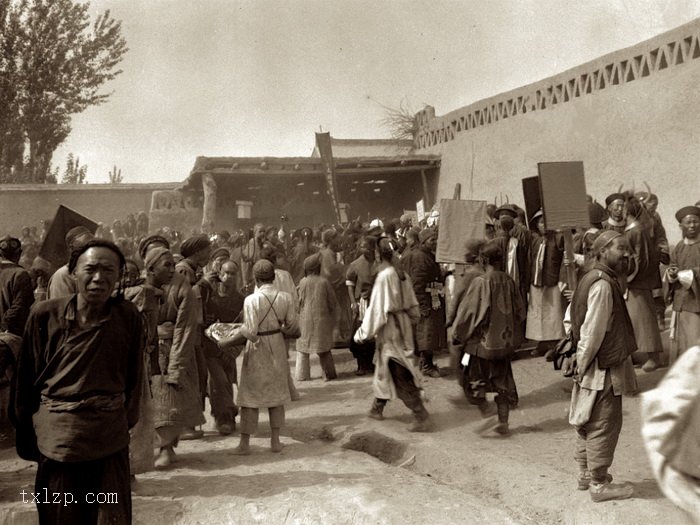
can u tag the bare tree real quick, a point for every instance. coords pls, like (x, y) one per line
(400, 121)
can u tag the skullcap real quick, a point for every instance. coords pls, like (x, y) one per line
(148, 241)
(312, 262)
(473, 249)
(687, 210)
(220, 252)
(604, 239)
(264, 270)
(614, 197)
(427, 234)
(153, 256)
(194, 244)
(328, 235)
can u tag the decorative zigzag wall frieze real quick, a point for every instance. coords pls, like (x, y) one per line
(617, 69)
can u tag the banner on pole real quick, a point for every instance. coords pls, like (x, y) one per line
(54, 247)
(325, 150)
(563, 189)
(459, 221)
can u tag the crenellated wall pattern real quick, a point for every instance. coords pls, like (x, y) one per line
(623, 67)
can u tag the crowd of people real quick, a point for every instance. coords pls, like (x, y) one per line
(114, 361)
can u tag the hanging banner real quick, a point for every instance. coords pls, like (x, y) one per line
(325, 150)
(459, 222)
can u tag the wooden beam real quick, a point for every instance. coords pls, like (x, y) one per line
(458, 192)
(209, 204)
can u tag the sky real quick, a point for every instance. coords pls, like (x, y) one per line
(258, 78)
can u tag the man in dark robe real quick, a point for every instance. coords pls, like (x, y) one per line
(359, 280)
(427, 279)
(642, 279)
(196, 251)
(488, 315)
(16, 298)
(683, 276)
(77, 392)
(617, 212)
(225, 306)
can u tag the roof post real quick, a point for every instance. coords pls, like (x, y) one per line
(209, 204)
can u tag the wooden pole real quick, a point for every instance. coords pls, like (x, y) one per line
(571, 265)
(209, 204)
(426, 192)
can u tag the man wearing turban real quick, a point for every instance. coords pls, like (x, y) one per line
(602, 331)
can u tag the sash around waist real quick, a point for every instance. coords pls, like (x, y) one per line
(270, 332)
(107, 403)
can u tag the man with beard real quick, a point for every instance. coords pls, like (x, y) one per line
(602, 330)
(683, 276)
(359, 280)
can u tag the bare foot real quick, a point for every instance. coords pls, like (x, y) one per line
(276, 447)
(241, 451)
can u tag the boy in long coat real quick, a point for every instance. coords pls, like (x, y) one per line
(317, 310)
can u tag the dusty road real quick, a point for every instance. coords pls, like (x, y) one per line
(338, 466)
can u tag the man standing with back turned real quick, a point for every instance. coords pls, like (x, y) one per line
(602, 330)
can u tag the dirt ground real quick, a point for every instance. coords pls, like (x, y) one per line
(338, 466)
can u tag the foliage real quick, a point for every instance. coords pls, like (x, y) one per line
(74, 172)
(400, 121)
(115, 176)
(53, 64)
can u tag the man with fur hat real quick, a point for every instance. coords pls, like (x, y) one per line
(602, 331)
(427, 279)
(683, 276)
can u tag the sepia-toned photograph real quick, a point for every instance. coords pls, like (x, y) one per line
(349, 262)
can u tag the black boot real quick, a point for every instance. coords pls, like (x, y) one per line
(503, 411)
(427, 366)
(377, 410)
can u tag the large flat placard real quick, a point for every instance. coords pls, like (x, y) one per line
(563, 188)
(54, 247)
(532, 196)
(460, 220)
